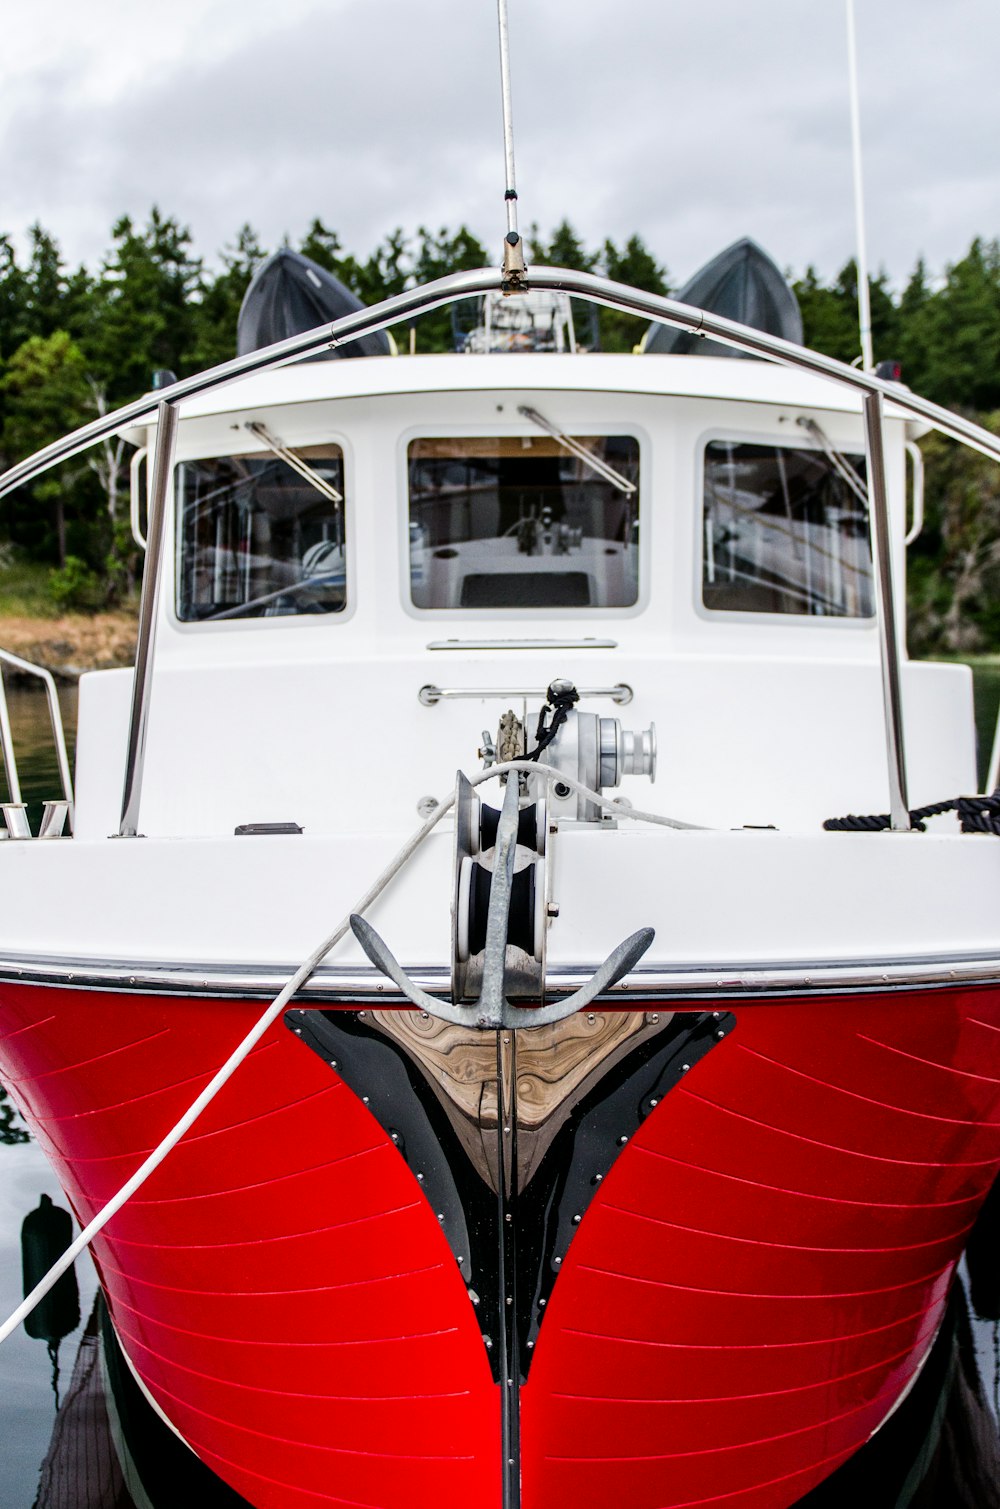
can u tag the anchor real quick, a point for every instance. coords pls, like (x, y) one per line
(493, 1010)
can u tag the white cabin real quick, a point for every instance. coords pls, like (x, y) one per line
(730, 593)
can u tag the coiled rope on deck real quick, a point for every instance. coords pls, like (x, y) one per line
(977, 814)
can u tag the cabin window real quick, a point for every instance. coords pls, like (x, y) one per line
(785, 531)
(260, 536)
(524, 522)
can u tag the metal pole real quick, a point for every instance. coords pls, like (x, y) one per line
(7, 749)
(510, 195)
(55, 718)
(166, 437)
(899, 815)
(916, 456)
(864, 302)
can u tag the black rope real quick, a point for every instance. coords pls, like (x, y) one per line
(977, 814)
(559, 701)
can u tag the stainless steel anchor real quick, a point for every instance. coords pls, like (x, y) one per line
(493, 1010)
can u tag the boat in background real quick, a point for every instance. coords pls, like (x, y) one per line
(742, 283)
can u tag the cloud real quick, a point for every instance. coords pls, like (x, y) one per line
(689, 123)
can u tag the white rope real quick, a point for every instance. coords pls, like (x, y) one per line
(208, 1094)
(277, 1006)
(605, 803)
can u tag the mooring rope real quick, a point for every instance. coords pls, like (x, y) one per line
(977, 814)
(277, 1006)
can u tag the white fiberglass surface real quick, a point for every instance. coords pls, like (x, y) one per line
(714, 899)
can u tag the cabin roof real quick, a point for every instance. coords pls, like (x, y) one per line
(683, 376)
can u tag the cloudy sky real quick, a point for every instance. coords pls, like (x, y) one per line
(691, 123)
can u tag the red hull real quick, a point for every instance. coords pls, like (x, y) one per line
(754, 1283)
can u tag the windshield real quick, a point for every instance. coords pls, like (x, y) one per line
(261, 537)
(524, 522)
(785, 532)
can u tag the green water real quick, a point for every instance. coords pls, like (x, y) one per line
(34, 747)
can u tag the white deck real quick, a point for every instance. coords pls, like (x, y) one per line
(251, 909)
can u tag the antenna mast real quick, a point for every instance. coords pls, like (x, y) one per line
(864, 302)
(513, 246)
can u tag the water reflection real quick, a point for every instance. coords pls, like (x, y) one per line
(27, 1405)
(46, 1232)
(12, 1128)
(34, 749)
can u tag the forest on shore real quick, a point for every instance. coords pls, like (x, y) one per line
(75, 343)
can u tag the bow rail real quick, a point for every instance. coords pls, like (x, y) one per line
(871, 390)
(463, 285)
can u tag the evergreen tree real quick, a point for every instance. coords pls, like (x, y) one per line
(324, 247)
(563, 249)
(437, 256)
(911, 318)
(954, 569)
(44, 308)
(216, 313)
(13, 300)
(830, 314)
(959, 328)
(635, 265)
(143, 313)
(45, 394)
(385, 273)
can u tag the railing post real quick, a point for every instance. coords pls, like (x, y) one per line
(166, 436)
(885, 602)
(7, 749)
(58, 733)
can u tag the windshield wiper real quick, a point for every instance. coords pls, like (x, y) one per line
(576, 449)
(290, 458)
(837, 460)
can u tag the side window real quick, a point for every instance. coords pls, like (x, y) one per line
(524, 522)
(259, 536)
(785, 532)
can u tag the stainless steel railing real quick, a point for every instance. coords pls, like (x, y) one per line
(58, 738)
(873, 392)
(142, 679)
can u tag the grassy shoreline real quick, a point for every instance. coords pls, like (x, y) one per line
(68, 644)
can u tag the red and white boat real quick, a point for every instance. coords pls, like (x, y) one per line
(479, 1227)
